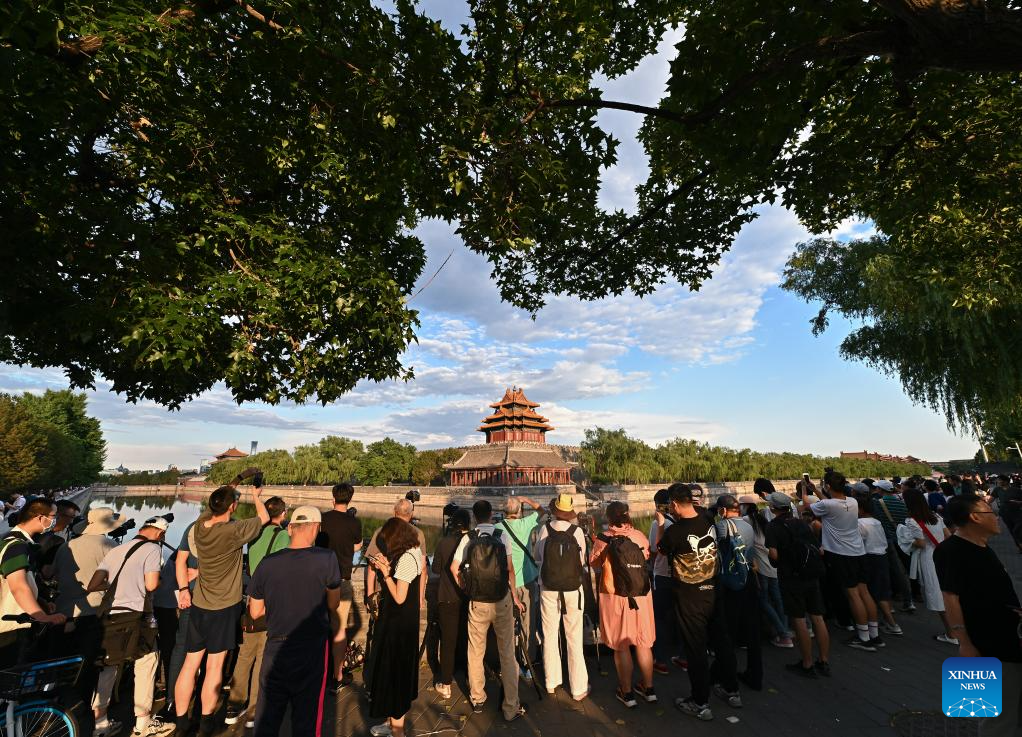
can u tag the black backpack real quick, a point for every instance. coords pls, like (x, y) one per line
(806, 561)
(484, 568)
(629, 567)
(562, 560)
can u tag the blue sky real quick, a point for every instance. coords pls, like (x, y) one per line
(733, 364)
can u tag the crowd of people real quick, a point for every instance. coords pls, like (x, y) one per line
(247, 619)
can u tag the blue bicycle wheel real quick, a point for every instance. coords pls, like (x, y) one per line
(40, 720)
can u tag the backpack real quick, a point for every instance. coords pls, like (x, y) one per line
(484, 568)
(562, 560)
(734, 566)
(628, 565)
(806, 561)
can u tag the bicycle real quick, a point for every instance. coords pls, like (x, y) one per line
(37, 682)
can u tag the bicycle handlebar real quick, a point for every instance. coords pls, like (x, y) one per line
(19, 618)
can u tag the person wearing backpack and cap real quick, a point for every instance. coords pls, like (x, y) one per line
(626, 603)
(792, 547)
(483, 567)
(560, 556)
(126, 579)
(736, 541)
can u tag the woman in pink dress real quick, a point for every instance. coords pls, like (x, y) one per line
(626, 621)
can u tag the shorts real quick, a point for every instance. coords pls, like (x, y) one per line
(800, 598)
(878, 577)
(848, 571)
(213, 630)
(343, 610)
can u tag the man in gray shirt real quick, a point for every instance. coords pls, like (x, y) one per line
(133, 569)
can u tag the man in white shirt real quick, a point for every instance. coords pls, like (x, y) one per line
(484, 612)
(560, 596)
(844, 554)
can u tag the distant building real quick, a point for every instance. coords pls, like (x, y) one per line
(516, 453)
(865, 455)
(231, 454)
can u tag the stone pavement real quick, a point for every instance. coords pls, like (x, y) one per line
(893, 691)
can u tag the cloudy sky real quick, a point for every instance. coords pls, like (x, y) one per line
(733, 364)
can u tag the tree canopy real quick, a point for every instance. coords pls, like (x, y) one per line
(206, 190)
(48, 441)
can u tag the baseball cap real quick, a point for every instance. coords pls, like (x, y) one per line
(779, 500)
(158, 522)
(307, 513)
(860, 488)
(884, 484)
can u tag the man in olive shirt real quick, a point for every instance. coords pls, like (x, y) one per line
(217, 541)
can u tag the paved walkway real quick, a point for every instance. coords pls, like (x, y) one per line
(893, 691)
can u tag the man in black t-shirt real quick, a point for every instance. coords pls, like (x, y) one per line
(341, 532)
(297, 589)
(690, 545)
(981, 603)
(788, 541)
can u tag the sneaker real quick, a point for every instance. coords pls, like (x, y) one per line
(823, 668)
(864, 645)
(646, 693)
(944, 638)
(797, 667)
(877, 642)
(109, 729)
(444, 690)
(381, 730)
(477, 708)
(680, 663)
(660, 668)
(907, 608)
(582, 696)
(690, 707)
(156, 728)
(733, 698)
(891, 629)
(780, 641)
(250, 723)
(232, 715)
(628, 699)
(519, 713)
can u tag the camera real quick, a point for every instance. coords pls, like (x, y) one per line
(413, 496)
(448, 510)
(352, 512)
(123, 529)
(257, 480)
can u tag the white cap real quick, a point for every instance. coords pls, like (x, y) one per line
(158, 522)
(884, 484)
(308, 513)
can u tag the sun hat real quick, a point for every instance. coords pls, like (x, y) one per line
(564, 503)
(779, 500)
(307, 513)
(99, 521)
(749, 499)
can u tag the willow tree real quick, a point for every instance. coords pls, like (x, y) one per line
(204, 190)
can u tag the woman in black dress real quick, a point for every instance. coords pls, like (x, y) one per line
(394, 671)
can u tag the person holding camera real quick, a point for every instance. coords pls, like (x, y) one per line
(217, 541)
(341, 532)
(452, 605)
(125, 579)
(274, 537)
(18, 591)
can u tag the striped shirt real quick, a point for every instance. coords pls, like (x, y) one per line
(898, 510)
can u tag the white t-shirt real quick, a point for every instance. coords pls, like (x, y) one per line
(560, 526)
(661, 566)
(840, 518)
(489, 529)
(873, 536)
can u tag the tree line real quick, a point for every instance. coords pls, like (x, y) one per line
(48, 441)
(143, 478)
(611, 456)
(334, 459)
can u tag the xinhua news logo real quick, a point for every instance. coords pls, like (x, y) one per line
(971, 687)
